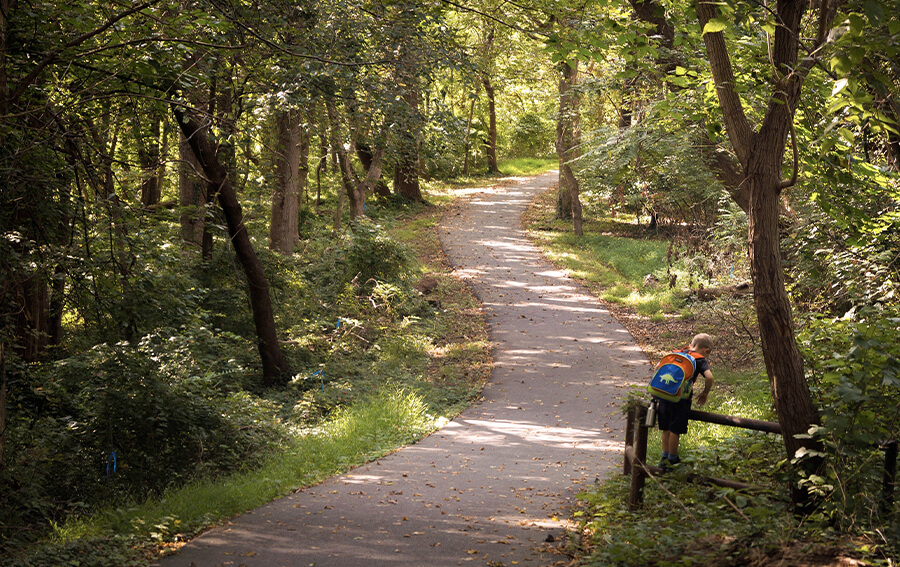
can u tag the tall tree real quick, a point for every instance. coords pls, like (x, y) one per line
(219, 186)
(761, 152)
(284, 232)
(568, 202)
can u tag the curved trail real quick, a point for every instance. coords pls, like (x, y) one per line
(491, 486)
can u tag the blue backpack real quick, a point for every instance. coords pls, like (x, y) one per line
(673, 377)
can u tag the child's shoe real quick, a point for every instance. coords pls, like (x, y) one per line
(674, 460)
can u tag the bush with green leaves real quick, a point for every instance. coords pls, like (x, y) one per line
(843, 264)
(121, 421)
(853, 364)
(532, 136)
(365, 255)
(645, 171)
(442, 144)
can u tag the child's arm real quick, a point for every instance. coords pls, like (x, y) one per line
(707, 386)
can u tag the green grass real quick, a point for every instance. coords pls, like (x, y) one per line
(615, 265)
(527, 166)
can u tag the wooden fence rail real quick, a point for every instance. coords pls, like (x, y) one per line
(636, 432)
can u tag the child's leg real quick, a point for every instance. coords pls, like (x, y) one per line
(673, 447)
(670, 443)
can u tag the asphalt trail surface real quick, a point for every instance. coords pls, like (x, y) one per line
(499, 481)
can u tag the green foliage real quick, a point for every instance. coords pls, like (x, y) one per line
(97, 551)
(365, 255)
(685, 526)
(645, 170)
(854, 368)
(842, 266)
(533, 136)
(443, 144)
(124, 420)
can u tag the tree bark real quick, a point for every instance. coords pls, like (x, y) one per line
(348, 178)
(406, 172)
(192, 197)
(568, 204)
(366, 158)
(274, 366)
(149, 158)
(466, 144)
(284, 232)
(2, 403)
(492, 126)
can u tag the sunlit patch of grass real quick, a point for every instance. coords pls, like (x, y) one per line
(527, 166)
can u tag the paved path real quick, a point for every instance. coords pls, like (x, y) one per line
(491, 486)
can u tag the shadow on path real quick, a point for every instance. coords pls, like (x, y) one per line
(490, 487)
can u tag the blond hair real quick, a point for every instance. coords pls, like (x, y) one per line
(702, 340)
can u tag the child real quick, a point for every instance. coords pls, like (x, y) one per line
(673, 416)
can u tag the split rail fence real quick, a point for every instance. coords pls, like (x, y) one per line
(636, 433)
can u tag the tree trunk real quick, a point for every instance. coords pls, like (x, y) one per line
(2, 404)
(784, 365)
(274, 366)
(492, 126)
(406, 172)
(149, 158)
(468, 134)
(192, 196)
(364, 153)
(348, 181)
(761, 155)
(568, 205)
(366, 185)
(284, 232)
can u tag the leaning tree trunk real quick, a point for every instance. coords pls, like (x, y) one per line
(784, 363)
(761, 154)
(273, 364)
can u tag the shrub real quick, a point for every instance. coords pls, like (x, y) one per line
(366, 255)
(854, 368)
(123, 421)
(532, 136)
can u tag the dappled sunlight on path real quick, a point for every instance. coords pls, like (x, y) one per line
(496, 483)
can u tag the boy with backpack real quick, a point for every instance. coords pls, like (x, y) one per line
(672, 389)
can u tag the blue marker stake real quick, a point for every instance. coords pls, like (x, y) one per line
(111, 461)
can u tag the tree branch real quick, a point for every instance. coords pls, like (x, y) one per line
(793, 180)
(53, 56)
(736, 124)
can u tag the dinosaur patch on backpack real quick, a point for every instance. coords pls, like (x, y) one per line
(673, 378)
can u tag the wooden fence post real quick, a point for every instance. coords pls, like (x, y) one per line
(638, 474)
(629, 437)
